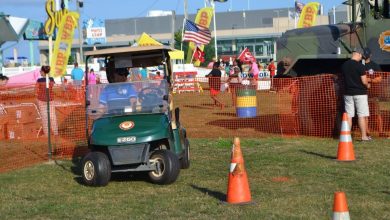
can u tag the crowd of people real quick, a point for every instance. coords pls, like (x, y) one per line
(238, 74)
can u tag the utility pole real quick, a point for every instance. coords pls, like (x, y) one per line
(79, 4)
(215, 31)
(173, 29)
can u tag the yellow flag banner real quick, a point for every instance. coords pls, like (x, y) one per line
(308, 15)
(203, 18)
(176, 55)
(146, 40)
(63, 44)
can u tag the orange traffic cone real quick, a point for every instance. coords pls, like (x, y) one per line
(238, 187)
(345, 151)
(340, 207)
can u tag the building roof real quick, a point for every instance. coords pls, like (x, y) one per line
(225, 21)
(119, 50)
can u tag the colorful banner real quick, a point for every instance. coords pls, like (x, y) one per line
(63, 44)
(203, 18)
(96, 31)
(308, 15)
(35, 31)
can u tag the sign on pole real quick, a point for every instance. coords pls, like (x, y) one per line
(96, 31)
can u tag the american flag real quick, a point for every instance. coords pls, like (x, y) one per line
(196, 33)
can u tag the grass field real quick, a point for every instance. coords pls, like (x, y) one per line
(306, 166)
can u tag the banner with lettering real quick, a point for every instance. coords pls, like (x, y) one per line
(308, 15)
(203, 18)
(96, 31)
(63, 44)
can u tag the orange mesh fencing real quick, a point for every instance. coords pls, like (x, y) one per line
(23, 125)
(210, 108)
(299, 106)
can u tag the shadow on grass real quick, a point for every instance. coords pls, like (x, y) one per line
(130, 176)
(218, 195)
(226, 114)
(318, 154)
(264, 123)
(75, 168)
(386, 192)
(120, 177)
(197, 107)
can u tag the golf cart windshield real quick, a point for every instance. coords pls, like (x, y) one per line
(138, 97)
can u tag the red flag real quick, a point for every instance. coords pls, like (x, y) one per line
(199, 55)
(246, 56)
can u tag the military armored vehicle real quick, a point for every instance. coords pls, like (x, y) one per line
(323, 49)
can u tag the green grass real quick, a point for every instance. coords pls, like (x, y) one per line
(54, 191)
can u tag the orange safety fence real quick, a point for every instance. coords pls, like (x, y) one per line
(23, 125)
(210, 108)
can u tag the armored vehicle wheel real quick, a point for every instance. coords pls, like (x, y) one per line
(96, 169)
(167, 167)
(185, 160)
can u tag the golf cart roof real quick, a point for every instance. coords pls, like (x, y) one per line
(141, 50)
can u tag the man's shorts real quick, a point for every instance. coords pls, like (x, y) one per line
(214, 92)
(358, 101)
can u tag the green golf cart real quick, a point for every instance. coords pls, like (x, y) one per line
(134, 128)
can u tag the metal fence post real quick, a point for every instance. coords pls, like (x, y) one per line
(48, 117)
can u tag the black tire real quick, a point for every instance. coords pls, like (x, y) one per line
(96, 169)
(185, 160)
(167, 167)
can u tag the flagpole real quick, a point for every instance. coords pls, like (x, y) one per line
(184, 20)
(295, 14)
(194, 53)
(215, 31)
(182, 34)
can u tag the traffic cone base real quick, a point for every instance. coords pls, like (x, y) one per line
(341, 216)
(340, 207)
(345, 150)
(238, 186)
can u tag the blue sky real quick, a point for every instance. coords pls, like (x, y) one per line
(109, 9)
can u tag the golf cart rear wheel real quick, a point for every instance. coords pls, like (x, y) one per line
(167, 167)
(96, 169)
(185, 160)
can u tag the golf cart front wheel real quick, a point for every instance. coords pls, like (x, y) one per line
(167, 167)
(96, 169)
